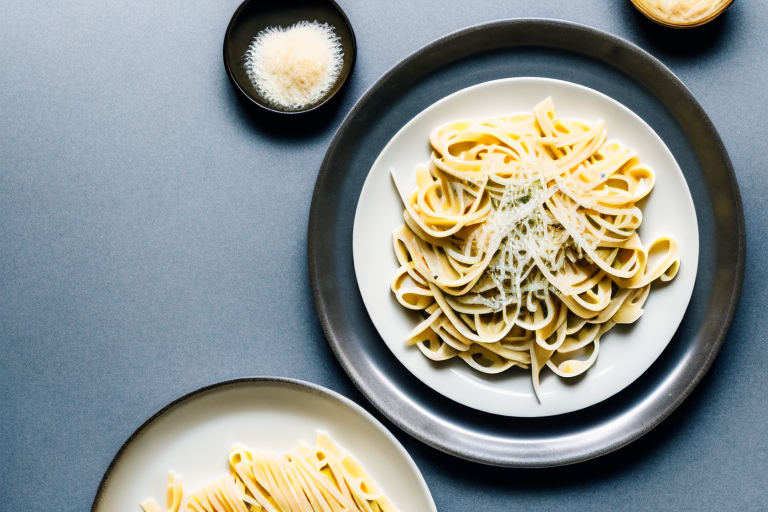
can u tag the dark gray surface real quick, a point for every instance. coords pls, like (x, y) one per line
(153, 240)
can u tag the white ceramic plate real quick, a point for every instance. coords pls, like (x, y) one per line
(194, 435)
(625, 352)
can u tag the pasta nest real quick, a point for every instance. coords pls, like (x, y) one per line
(520, 244)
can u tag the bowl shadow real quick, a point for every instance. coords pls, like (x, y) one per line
(682, 42)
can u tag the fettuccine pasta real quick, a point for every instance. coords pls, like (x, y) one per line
(520, 247)
(320, 478)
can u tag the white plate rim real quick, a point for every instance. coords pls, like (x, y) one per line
(690, 263)
(296, 384)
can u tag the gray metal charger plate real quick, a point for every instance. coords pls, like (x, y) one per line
(553, 49)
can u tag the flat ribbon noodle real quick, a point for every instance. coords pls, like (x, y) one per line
(520, 243)
(319, 478)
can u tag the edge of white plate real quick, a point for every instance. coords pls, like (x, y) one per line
(256, 381)
(367, 184)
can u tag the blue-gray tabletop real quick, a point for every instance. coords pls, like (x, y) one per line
(153, 240)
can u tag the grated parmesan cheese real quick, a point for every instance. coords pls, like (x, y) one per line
(296, 66)
(683, 11)
(526, 236)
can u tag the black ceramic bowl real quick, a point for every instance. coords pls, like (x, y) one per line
(253, 16)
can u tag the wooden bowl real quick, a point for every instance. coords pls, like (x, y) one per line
(681, 13)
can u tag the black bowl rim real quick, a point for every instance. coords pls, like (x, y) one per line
(344, 78)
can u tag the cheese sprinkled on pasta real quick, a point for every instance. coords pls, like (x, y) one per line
(520, 246)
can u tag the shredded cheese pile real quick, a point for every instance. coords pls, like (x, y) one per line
(682, 12)
(296, 66)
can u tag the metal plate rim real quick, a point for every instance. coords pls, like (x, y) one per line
(394, 412)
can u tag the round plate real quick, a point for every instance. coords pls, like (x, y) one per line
(193, 436)
(625, 352)
(504, 49)
(253, 16)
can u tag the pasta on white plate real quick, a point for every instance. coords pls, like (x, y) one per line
(320, 478)
(520, 244)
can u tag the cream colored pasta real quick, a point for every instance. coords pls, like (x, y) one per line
(520, 247)
(319, 478)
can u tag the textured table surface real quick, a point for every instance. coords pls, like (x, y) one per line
(153, 240)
